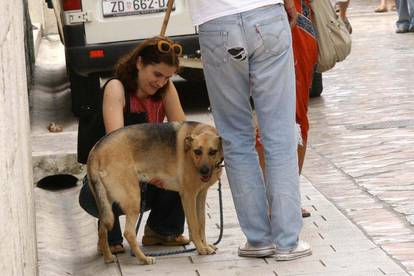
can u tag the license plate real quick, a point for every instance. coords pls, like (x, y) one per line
(113, 8)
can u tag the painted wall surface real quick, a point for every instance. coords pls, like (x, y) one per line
(17, 219)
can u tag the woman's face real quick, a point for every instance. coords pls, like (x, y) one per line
(152, 77)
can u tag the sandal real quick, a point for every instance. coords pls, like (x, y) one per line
(152, 238)
(381, 9)
(305, 213)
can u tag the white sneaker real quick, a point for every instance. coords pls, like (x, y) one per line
(249, 250)
(302, 250)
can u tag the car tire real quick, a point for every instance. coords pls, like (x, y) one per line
(317, 85)
(83, 89)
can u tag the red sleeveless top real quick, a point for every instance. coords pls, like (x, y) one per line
(154, 109)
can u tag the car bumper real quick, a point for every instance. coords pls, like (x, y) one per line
(79, 60)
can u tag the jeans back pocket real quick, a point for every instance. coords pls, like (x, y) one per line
(213, 47)
(275, 37)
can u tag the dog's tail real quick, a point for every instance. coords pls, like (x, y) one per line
(102, 201)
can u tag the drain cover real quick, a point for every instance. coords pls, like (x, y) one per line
(383, 125)
(57, 182)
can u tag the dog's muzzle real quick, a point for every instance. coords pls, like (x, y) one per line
(205, 173)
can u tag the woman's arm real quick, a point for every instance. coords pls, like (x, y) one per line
(113, 106)
(172, 105)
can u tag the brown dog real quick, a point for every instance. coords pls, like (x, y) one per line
(184, 155)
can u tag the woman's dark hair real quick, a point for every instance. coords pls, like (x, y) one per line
(126, 68)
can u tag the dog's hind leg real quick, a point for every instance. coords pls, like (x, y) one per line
(129, 233)
(105, 214)
(103, 243)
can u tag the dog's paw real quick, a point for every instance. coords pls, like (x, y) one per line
(148, 261)
(110, 259)
(213, 247)
(207, 250)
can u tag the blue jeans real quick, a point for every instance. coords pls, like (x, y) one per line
(405, 10)
(250, 54)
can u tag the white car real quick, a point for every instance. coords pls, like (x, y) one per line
(96, 33)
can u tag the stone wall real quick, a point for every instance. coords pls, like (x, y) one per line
(17, 234)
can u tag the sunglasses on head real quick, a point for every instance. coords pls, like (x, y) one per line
(165, 47)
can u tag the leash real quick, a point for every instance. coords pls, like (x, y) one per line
(174, 252)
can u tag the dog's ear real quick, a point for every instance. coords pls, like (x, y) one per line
(187, 143)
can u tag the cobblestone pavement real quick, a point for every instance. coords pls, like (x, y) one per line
(357, 180)
(361, 152)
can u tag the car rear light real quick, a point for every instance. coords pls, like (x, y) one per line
(69, 5)
(96, 54)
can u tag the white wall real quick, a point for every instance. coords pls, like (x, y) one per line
(41, 15)
(17, 219)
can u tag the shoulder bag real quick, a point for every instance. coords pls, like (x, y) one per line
(334, 40)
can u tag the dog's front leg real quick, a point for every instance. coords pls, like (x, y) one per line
(201, 217)
(189, 206)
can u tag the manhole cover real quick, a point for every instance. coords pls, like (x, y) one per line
(383, 125)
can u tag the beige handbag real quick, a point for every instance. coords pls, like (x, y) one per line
(334, 40)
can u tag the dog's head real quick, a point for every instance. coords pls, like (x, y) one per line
(206, 152)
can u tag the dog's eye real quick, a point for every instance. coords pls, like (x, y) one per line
(212, 152)
(198, 152)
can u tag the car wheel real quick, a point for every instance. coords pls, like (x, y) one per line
(317, 85)
(83, 89)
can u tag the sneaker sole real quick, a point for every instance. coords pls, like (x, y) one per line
(292, 256)
(256, 253)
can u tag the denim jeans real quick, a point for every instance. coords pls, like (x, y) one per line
(405, 10)
(166, 217)
(250, 54)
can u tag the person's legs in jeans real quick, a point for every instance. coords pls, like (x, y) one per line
(411, 14)
(226, 43)
(88, 203)
(273, 91)
(227, 81)
(165, 223)
(403, 22)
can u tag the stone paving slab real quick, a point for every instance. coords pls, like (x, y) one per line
(67, 239)
(361, 140)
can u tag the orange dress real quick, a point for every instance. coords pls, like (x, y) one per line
(305, 52)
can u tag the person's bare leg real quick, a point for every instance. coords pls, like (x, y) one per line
(382, 6)
(343, 6)
(301, 160)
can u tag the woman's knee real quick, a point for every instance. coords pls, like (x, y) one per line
(87, 200)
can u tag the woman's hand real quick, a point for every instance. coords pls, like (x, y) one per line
(291, 12)
(157, 182)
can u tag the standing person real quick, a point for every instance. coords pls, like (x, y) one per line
(142, 86)
(343, 7)
(383, 6)
(405, 22)
(247, 51)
